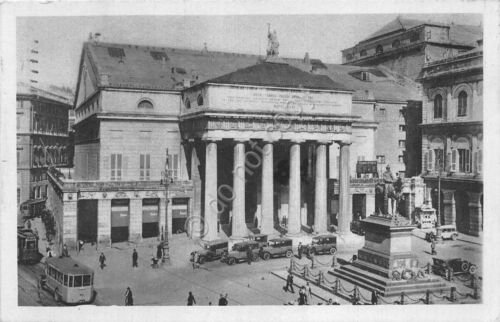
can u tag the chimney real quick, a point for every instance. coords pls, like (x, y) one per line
(306, 59)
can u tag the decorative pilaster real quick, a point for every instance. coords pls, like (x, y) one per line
(320, 190)
(294, 199)
(239, 228)
(135, 228)
(267, 195)
(210, 220)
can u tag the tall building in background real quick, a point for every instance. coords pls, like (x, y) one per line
(452, 137)
(42, 141)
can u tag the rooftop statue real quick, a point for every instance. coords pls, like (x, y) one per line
(272, 42)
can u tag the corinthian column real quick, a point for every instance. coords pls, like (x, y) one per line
(239, 228)
(344, 216)
(294, 190)
(210, 220)
(320, 189)
(267, 224)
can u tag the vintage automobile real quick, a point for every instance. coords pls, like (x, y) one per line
(239, 252)
(357, 227)
(321, 244)
(260, 238)
(276, 248)
(212, 250)
(458, 265)
(447, 232)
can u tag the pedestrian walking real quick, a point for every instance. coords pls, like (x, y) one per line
(311, 256)
(135, 256)
(249, 255)
(374, 297)
(433, 247)
(65, 252)
(299, 250)
(129, 300)
(302, 296)
(308, 293)
(102, 260)
(191, 299)
(289, 283)
(159, 251)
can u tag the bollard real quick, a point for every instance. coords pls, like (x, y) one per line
(476, 293)
(402, 302)
(453, 296)
(337, 286)
(355, 296)
(427, 297)
(333, 261)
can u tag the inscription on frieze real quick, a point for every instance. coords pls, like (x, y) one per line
(279, 124)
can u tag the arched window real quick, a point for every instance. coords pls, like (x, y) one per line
(462, 103)
(199, 100)
(145, 104)
(362, 53)
(396, 43)
(379, 49)
(438, 106)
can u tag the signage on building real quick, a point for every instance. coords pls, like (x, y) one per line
(366, 167)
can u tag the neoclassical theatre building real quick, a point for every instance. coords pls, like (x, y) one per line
(221, 145)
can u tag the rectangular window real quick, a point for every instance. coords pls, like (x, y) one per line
(86, 280)
(464, 160)
(402, 128)
(70, 284)
(382, 111)
(439, 159)
(402, 143)
(65, 280)
(400, 159)
(78, 281)
(116, 167)
(145, 167)
(173, 166)
(381, 158)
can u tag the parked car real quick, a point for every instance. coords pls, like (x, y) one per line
(276, 248)
(322, 244)
(357, 227)
(447, 232)
(239, 252)
(459, 266)
(212, 250)
(260, 238)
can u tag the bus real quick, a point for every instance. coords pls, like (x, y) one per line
(27, 246)
(68, 280)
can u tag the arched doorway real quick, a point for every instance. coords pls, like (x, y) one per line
(462, 211)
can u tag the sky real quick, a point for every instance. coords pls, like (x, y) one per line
(60, 39)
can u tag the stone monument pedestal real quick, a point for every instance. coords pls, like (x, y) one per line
(386, 262)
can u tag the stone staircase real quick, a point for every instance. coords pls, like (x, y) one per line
(387, 287)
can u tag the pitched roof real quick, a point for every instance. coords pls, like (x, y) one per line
(139, 69)
(50, 94)
(396, 25)
(278, 75)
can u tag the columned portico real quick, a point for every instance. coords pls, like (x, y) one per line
(239, 228)
(211, 206)
(320, 190)
(294, 201)
(267, 208)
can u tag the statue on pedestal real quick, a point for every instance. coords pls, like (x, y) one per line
(272, 43)
(388, 194)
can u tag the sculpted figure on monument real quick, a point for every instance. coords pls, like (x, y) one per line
(272, 43)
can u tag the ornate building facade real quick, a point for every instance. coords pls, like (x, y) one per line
(452, 137)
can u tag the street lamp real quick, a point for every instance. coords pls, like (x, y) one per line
(165, 180)
(438, 217)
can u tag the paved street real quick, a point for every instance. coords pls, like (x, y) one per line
(169, 285)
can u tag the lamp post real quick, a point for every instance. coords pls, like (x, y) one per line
(165, 180)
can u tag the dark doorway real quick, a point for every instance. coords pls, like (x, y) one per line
(358, 206)
(120, 219)
(179, 214)
(87, 220)
(150, 217)
(462, 211)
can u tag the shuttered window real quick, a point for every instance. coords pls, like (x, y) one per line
(145, 167)
(116, 167)
(454, 160)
